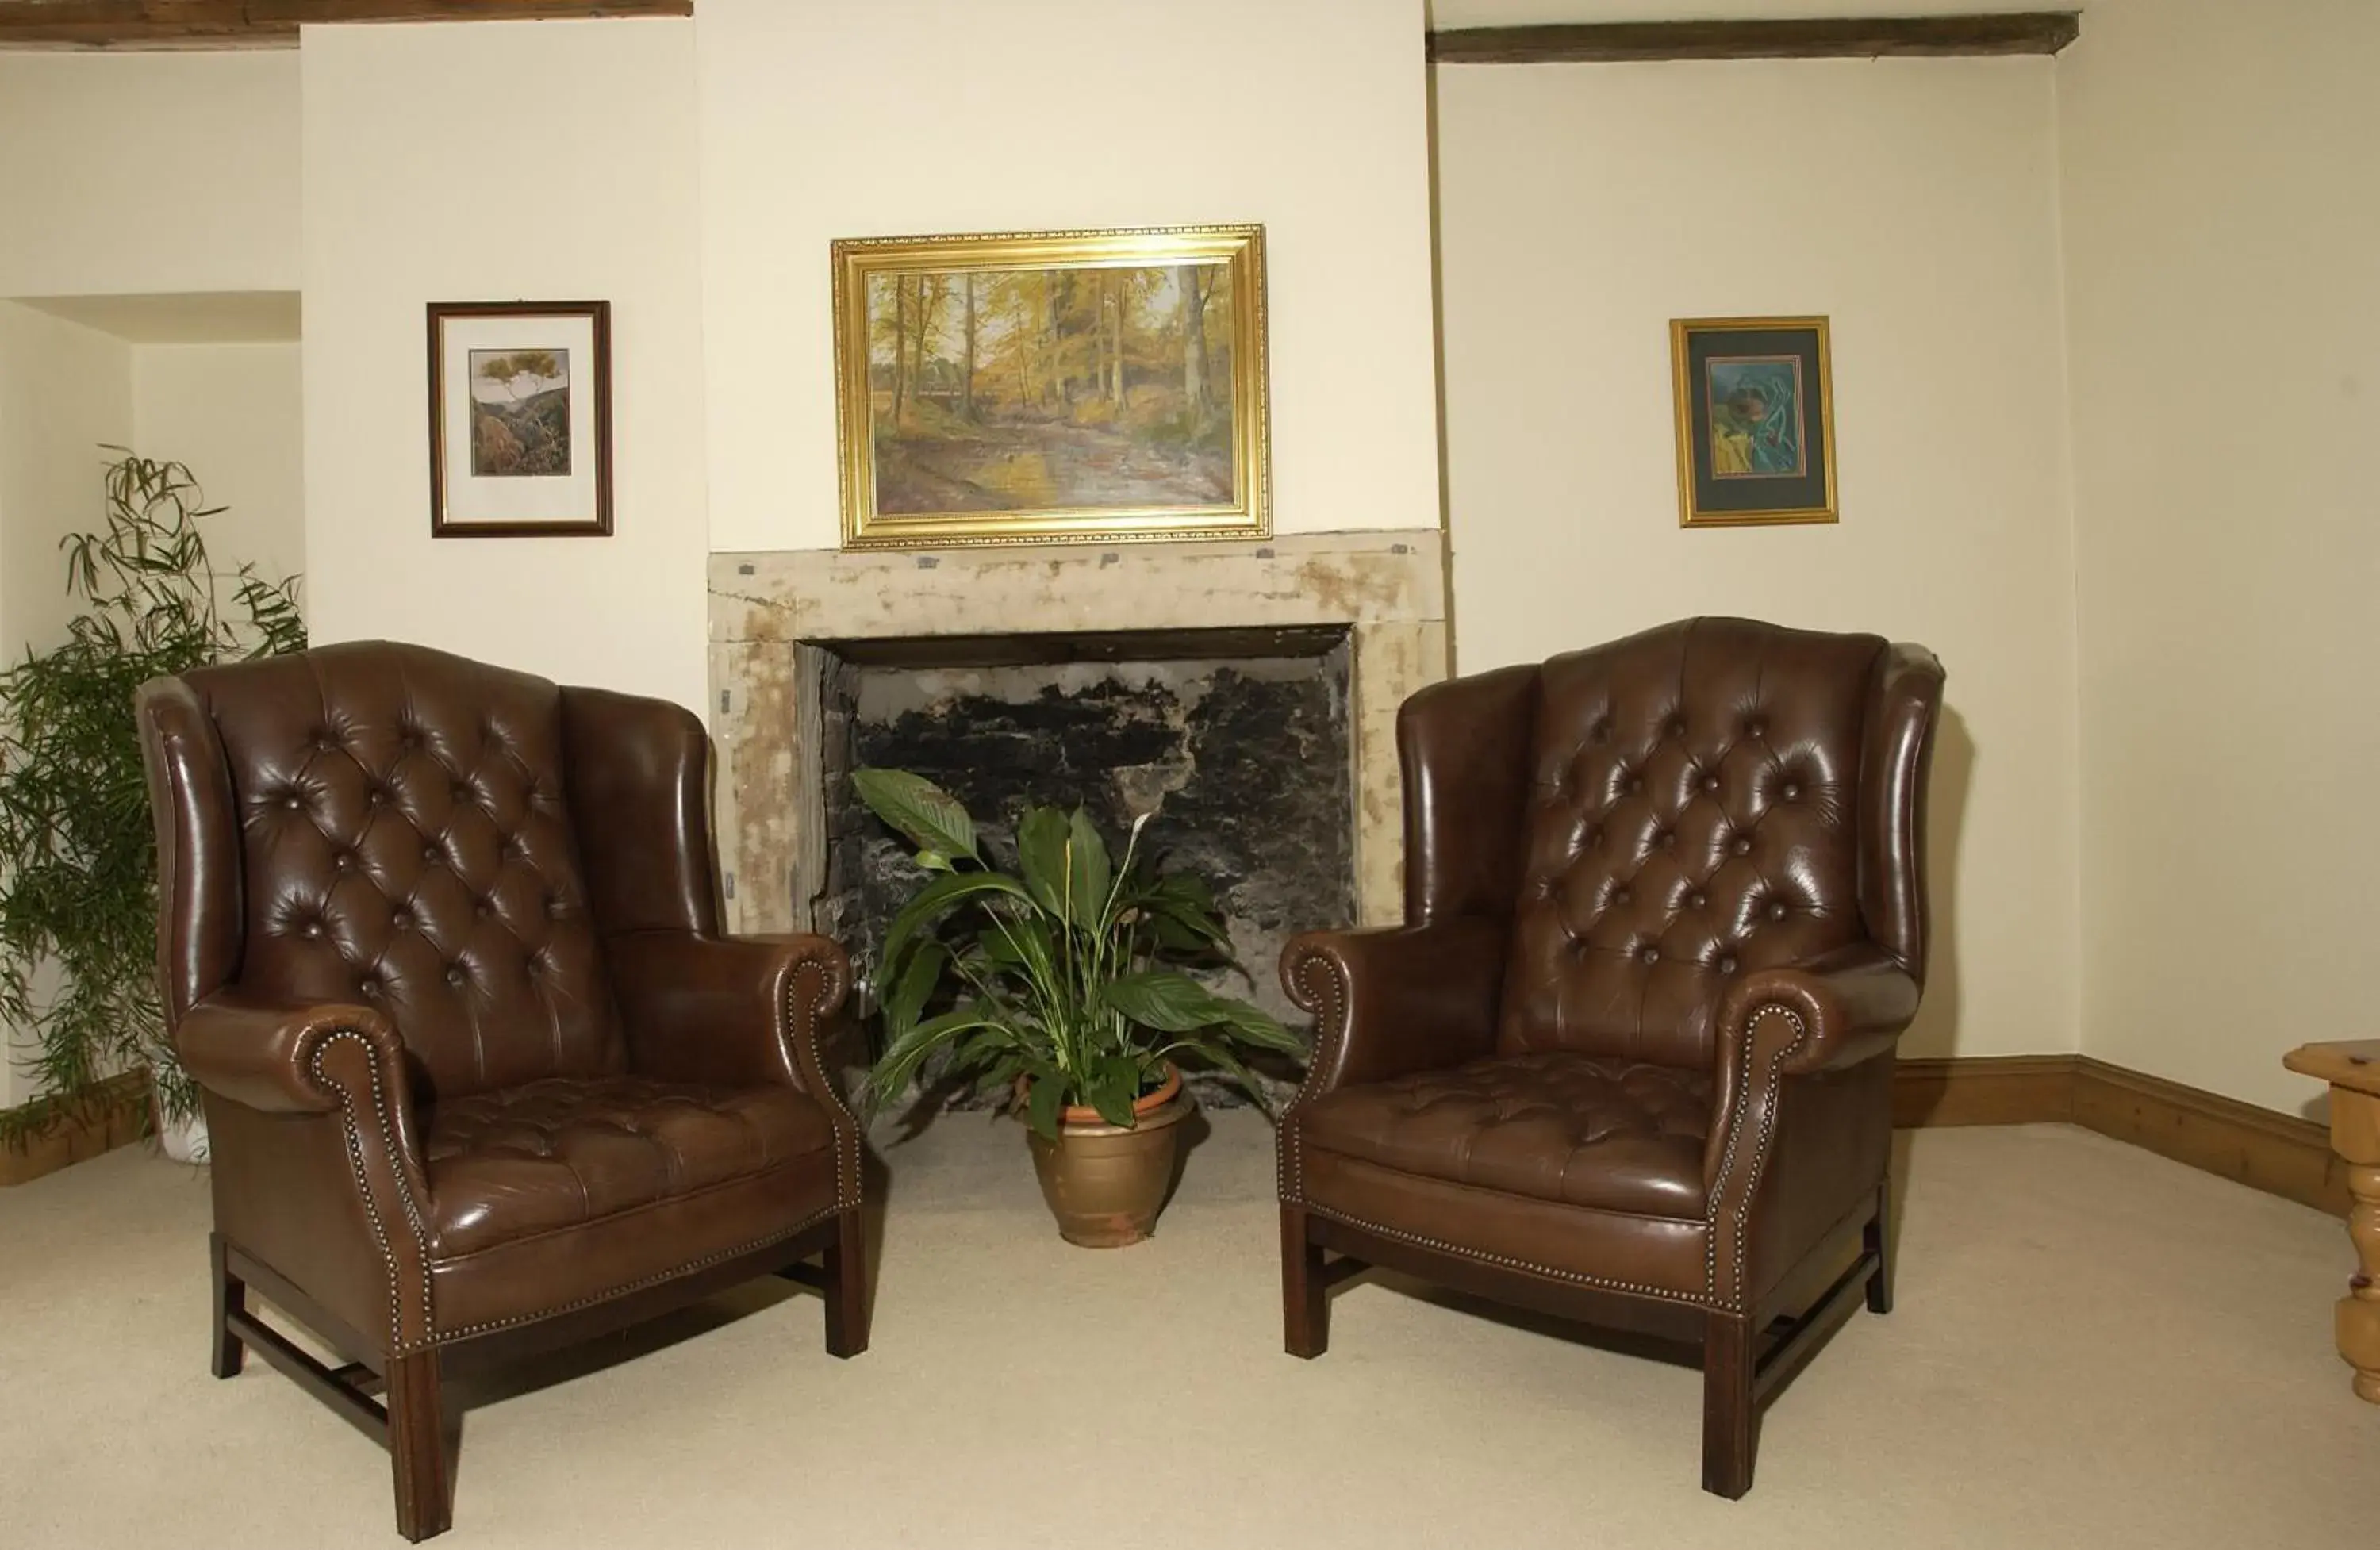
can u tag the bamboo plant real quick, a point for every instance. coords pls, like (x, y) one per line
(1064, 973)
(78, 855)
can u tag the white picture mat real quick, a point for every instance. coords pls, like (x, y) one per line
(554, 498)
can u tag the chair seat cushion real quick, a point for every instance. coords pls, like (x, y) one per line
(1576, 1130)
(517, 1161)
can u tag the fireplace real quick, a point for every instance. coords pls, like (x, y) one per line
(1246, 693)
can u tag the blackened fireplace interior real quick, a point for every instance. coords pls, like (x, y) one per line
(1239, 743)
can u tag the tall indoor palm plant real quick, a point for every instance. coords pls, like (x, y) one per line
(77, 860)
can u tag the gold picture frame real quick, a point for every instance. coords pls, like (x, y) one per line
(1053, 387)
(1755, 418)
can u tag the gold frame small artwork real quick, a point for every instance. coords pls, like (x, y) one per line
(1754, 399)
(1053, 387)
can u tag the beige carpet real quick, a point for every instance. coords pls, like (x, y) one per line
(2092, 1346)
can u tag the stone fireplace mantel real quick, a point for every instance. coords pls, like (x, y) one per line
(1387, 588)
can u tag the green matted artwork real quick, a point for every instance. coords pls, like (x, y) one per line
(1756, 414)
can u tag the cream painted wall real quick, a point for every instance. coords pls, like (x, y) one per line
(64, 390)
(1582, 207)
(412, 196)
(903, 117)
(2221, 227)
(148, 171)
(234, 414)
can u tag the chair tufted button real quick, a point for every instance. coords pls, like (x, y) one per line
(1620, 896)
(344, 862)
(1792, 792)
(311, 930)
(1636, 784)
(1666, 839)
(401, 919)
(1754, 726)
(1675, 726)
(1727, 963)
(368, 986)
(376, 796)
(1594, 838)
(1650, 955)
(432, 854)
(1710, 782)
(455, 974)
(1742, 845)
(1698, 899)
(1776, 909)
(483, 908)
(290, 802)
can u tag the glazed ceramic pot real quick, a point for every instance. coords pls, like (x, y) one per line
(1105, 1183)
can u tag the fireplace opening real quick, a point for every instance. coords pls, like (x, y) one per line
(1238, 742)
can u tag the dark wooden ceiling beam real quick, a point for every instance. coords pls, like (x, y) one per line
(1768, 38)
(158, 24)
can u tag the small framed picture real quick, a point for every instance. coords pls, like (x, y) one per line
(520, 418)
(1755, 420)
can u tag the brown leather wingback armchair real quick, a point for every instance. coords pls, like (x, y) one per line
(439, 943)
(1631, 1055)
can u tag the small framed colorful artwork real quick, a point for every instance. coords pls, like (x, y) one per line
(1755, 408)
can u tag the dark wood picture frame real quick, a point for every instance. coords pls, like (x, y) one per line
(596, 316)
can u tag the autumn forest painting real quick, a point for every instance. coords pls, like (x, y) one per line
(1051, 389)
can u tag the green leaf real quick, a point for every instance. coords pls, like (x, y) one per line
(1042, 1100)
(1214, 1053)
(899, 1066)
(907, 996)
(1253, 1024)
(1041, 857)
(929, 816)
(1088, 872)
(1166, 1000)
(943, 893)
(1114, 1085)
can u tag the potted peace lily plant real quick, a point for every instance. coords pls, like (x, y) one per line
(1059, 982)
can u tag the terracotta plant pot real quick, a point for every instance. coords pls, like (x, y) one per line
(1105, 1183)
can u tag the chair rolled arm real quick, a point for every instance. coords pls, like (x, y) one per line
(269, 1056)
(730, 1011)
(1396, 1000)
(1852, 1005)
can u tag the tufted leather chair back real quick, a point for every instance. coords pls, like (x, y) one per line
(403, 840)
(1695, 813)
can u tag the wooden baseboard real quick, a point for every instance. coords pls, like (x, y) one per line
(2279, 1154)
(119, 1116)
(1984, 1090)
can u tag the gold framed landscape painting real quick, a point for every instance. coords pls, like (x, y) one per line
(1053, 387)
(1755, 408)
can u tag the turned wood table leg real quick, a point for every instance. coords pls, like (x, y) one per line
(2355, 1136)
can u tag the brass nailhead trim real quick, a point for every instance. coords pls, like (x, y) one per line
(1506, 1261)
(396, 1342)
(1743, 1214)
(691, 1265)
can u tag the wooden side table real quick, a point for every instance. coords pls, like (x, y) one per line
(2353, 1072)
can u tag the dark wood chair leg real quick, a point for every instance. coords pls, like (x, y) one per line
(231, 1297)
(1877, 1239)
(1728, 1420)
(846, 1287)
(418, 1447)
(1305, 1294)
